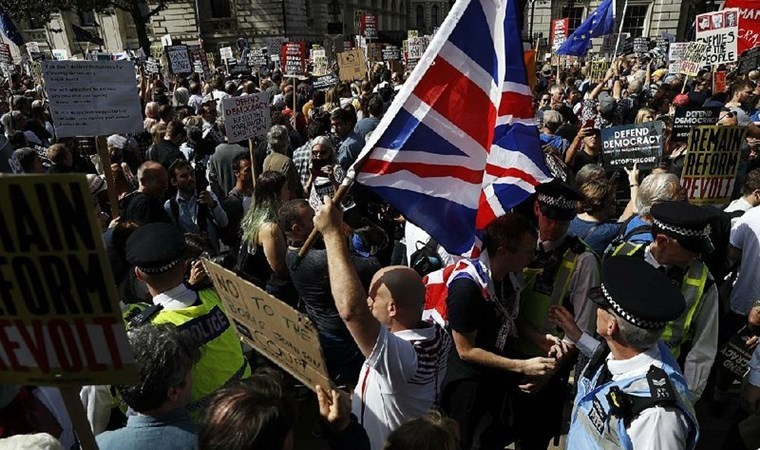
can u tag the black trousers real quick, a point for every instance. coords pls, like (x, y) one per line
(467, 401)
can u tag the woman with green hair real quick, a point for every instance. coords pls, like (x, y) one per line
(261, 258)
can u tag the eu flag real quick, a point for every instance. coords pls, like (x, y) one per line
(9, 28)
(598, 23)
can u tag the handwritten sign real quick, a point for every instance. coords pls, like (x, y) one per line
(352, 65)
(257, 57)
(225, 53)
(277, 331)
(369, 26)
(627, 145)
(749, 61)
(712, 160)
(246, 116)
(417, 46)
(179, 59)
(720, 31)
(61, 323)
(693, 58)
(599, 69)
(391, 53)
(294, 58)
(90, 98)
(319, 62)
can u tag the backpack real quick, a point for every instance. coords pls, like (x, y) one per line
(426, 259)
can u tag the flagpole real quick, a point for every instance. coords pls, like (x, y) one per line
(620, 30)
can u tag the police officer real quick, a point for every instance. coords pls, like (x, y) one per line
(681, 234)
(565, 271)
(632, 393)
(157, 251)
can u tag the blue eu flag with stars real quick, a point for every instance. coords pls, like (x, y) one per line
(598, 23)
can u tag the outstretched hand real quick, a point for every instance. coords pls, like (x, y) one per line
(329, 218)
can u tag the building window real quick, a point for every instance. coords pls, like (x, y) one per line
(575, 15)
(87, 19)
(393, 6)
(636, 19)
(35, 23)
(434, 16)
(220, 9)
(420, 17)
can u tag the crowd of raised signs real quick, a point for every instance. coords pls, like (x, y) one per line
(622, 144)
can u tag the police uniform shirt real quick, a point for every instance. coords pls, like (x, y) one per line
(704, 341)
(657, 427)
(179, 297)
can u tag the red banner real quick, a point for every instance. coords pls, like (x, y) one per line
(749, 22)
(559, 33)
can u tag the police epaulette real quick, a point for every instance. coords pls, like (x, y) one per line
(627, 406)
(145, 315)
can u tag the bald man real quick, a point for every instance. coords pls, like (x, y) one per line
(406, 357)
(146, 205)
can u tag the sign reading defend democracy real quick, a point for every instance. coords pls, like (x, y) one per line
(246, 116)
(712, 160)
(687, 118)
(60, 323)
(277, 331)
(90, 98)
(720, 31)
(179, 59)
(627, 145)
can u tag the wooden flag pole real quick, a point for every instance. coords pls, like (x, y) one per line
(620, 30)
(105, 159)
(253, 161)
(78, 417)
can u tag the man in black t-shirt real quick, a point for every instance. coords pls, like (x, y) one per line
(482, 305)
(146, 205)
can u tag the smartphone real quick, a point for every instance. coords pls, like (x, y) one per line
(589, 123)
(317, 165)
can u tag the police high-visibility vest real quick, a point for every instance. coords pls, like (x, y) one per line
(222, 361)
(693, 287)
(595, 426)
(535, 302)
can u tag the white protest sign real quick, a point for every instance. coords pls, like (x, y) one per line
(417, 46)
(677, 51)
(32, 47)
(166, 40)
(720, 35)
(226, 53)
(179, 59)
(91, 98)
(277, 331)
(694, 58)
(60, 54)
(246, 117)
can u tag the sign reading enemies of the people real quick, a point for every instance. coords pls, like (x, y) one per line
(277, 331)
(60, 320)
(711, 164)
(627, 145)
(720, 31)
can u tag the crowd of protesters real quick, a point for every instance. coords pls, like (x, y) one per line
(440, 352)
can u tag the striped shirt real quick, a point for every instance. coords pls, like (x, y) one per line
(401, 379)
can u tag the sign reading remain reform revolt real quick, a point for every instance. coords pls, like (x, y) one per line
(274, 329)
(712, 160)
(60, 323)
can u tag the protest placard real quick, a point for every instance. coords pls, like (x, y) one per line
(246, 116)
(89, 98)
(274, 45)
(640, 45)
(374, 52)
(198, 57)
(332, 45)
(417, 46)
(179, 59)
(391, 53)
(166, 40)
(6, 57)
(325, 81)
(60, 54)
(749, 61)
(719, 81)
(558, 33)
(238, 69)
(277, 331)
(151, 66)
(411, 34)
(599, 68)
(32, 47)
(687, 117)
(712, 160)
(293, 57)
(734, 356)
(677, 51)
(319, 62)
(369, 26)
(352, 65)
(225, 53)
(609, 41)
(626, 145)
(61, 323)
(693, 58)
(749, 23)
(721, 38)
(258, 57)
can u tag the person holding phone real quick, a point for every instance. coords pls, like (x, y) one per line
(585, 148)
(325, 173)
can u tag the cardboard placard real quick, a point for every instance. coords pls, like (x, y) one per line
(247, 116)
(712, 160)
(599, 69)
(749, 61)
(417, 46)
(61, 324)
(179, 59)
(391, 53)
(89, 98)
(325, 81)
(687, 118)
(277, 331)
(352, 65)
(369, 26)
(293, 57)
(734, 356)
(628, 144)
(721, 38)
(411, 34)
(560, 28)
(693, 58)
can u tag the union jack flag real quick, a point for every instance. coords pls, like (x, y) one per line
(458, 146)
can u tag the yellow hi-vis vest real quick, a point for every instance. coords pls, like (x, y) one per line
(693, 288)
(222, 361)
(534, 304)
